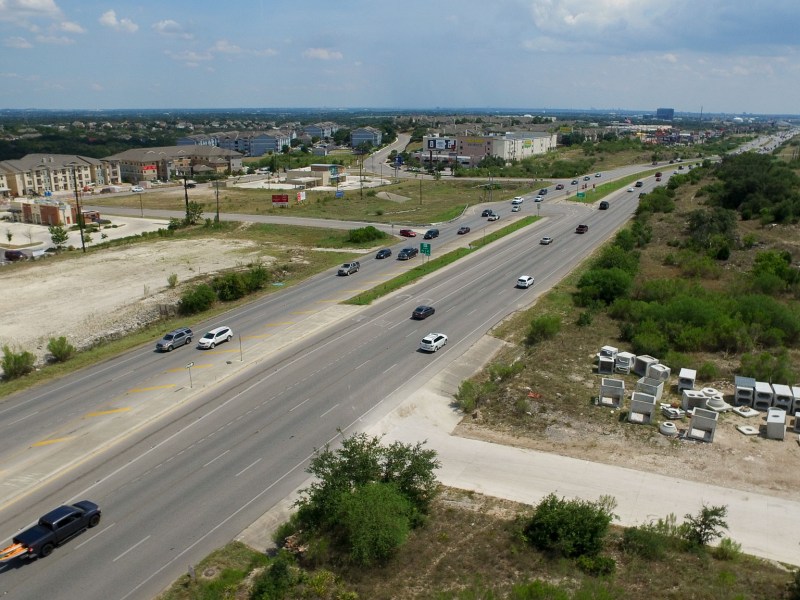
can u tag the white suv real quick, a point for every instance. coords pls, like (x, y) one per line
(215, 336)
(432, 342)
(525, 281)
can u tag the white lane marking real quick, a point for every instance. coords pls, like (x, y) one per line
(389, 369)
(252, 464)
(331, 409)
(299, 405)
(86, 541)
(139, 543)
(217, 458)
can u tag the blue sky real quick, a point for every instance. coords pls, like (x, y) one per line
(731, 56)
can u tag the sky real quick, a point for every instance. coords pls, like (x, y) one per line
(716, 56)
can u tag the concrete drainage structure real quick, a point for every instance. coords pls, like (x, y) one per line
(612, 392)
(703, 425)
(643, 408)
(668, 428)
(776, 424)
(686, 379)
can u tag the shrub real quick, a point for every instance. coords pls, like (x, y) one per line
(644, 542)
(175, 224)
(17, 364)
(584, 319)
(706, 526)
(196, 300)
(228, 287)
(256, 278)
(597, 566)
(708, 371)
(275, 582)
(603, 286)
(365, 234)
(793, 588)
(172, 280)
(728, 550)
(504, 371)
(571, 528)
(543, 328)
(61, 349)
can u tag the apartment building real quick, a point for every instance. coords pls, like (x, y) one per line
(50, 174)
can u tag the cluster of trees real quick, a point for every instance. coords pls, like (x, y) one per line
(226, 288)
(365, 234)
(18, 363)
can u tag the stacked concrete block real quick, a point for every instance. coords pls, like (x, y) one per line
(605, 365)
(643, 408)
(612, 392)
(658, 371)
(641, 364)
(650, 386)
(608, 352)
(703, 425)
(795, 400)
(782, 397)
(745, 393)
(624, 362)
(691, 399)
(763, 399)
(797, 422)
(776, 424)
(686, 379)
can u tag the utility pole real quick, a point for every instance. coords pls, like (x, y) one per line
(78, 206)
(216, 186)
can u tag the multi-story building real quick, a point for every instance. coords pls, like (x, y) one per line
(247, 143)
(49, 174)
(321, 130)
(469, 150)
(147, 164)
(365, 135)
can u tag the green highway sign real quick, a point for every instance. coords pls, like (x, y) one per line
(581, 194)
(425, 249)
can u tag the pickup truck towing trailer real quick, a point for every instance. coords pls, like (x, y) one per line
(53, 529)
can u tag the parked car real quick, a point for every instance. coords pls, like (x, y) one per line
(174, 339)
(430, 234)
(422, 312)
(546, 240)
(493, 217)
(384, 253)
(463, 230)
(560, 186)
(432, 342)
(408, 233)
(581, 229)
(486, 212)
(14, 255)
(407, 253)
(524, 281)
(349, 268)
(214, 337)
(137, 189)
(603, 205)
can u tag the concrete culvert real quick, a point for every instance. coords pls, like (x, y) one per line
(668, 428)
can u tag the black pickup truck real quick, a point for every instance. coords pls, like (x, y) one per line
(56, 527)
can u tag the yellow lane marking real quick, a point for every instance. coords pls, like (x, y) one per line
(181, 369)
(152, 388)
(279, 324)
(100, 413)
(53, 441)
(302, 312)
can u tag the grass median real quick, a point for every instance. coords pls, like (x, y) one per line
(435, 264)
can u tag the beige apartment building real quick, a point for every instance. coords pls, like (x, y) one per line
(54, 174)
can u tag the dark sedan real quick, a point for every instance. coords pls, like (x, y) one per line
(463, 230)
(486, 212)
(422, 312)
(384, 253)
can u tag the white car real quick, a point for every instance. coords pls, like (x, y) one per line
(525, 281)
(538, 198)
(214, 337)
(493, 217)
(137, 189)
(546, 240)
(630, 189)
(516, 208)
(432, 342)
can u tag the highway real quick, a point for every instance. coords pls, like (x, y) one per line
(179, 471)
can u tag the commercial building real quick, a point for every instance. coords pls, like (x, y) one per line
(164, 163)
(470, 150)
(317, 175)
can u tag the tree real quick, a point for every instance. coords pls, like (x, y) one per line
(16, 364)
(59, 236)
(194, 213)
(708, 525)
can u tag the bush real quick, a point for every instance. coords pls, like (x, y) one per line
(275, 582)
(708, 371)
(256, 278)
(603, 286)
(196, 300)
(597, 566)
(365, 234)
(543, 328)
(793, 589)
(228, 287)
(172, 280)
(17, 364)
(584, 319)
(702, 529)
(644, 542)
(728, 550)
(61, 349)
(571, 528)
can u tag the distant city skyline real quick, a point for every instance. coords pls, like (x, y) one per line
(718, 56)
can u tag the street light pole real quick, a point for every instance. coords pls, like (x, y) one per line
(216, 186)
(78, 205)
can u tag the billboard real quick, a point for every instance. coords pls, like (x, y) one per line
(301, 196)
(280, 200)
(441, 144)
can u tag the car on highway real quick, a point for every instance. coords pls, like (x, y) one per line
(493, 217)
(53, 529)
(598, 175)
(349, 268)
(560, 186)
(463, 230)
(630, 189)
(517, 200)
(658, 178)
(430, 234)
(574, 182)
(546, 240)
(516, 208)
(383, 253)
(639, 184)
(543, 192)
(581, 229)
(486, 212)
(603, 205)
(14, 255)
(407, 253)
(408, 233)
(524, 281)
(174, 339)
(137, 189)
(214, 337)
(422, 312)
(432, 342)
(586, 178)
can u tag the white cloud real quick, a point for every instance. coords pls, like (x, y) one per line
(58, 40)
(109, 19)
(71, 27)
(226, 47)
(97, 87)
(21, 11)
(189, 57)
(323, 54)
(168, 27)
(17, 42)
(670, 58)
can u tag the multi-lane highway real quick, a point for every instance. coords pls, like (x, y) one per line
(180, 470)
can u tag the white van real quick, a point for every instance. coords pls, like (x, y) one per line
(517, 201)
